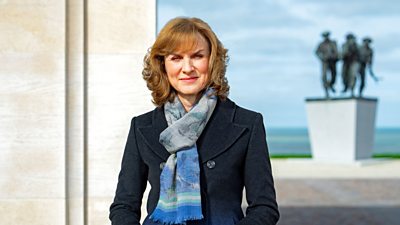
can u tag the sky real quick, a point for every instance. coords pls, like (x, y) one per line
(271, 43)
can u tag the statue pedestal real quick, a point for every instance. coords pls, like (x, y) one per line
(341, 130)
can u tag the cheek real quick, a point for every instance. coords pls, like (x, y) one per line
(205, 72)
(171, 70)
(204, 66)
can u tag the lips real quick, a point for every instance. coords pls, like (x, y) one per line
(189, 78)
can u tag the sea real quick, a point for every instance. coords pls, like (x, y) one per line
(293, 141)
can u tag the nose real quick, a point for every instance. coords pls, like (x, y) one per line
(187, 66)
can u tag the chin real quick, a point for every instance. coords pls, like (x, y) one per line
(191, 91)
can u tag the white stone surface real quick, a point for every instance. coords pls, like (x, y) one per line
(42, 105)
(40, 211)
(116, 91)
(32, 112)
(341, 130)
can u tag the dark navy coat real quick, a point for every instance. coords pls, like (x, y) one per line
(233, 154)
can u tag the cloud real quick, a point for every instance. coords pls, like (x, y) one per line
(346, 8)
(167, 12)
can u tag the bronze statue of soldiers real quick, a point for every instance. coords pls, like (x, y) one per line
(365, 60)
(350, 56)
(328, 54)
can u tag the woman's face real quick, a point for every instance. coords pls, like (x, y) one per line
(187, 71)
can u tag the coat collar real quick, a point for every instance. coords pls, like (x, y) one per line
(151, 134)
(218, 135)
(220, 132)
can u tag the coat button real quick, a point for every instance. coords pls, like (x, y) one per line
(210, 164)
(162, 165)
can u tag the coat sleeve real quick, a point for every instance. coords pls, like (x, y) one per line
(260, 192)
(132, 181)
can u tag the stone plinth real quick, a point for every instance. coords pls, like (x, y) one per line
(341, 129)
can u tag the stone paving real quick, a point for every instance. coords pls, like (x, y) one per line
(338, 201)
(347, 197)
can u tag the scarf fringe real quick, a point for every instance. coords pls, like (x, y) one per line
(159, 216)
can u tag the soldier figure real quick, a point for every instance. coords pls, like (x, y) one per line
(328, 54)
(350, 56)
(365, 59)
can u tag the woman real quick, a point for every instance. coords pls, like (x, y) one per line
(197, 149)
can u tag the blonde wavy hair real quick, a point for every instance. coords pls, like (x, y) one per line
(181, 33)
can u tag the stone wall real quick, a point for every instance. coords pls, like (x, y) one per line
(71, 81)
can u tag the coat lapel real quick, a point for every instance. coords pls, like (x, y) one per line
(151, 134)
(220, 132)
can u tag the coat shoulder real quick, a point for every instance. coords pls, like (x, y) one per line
(145, 119)
(244, 116)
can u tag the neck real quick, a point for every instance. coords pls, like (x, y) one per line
(188, 101)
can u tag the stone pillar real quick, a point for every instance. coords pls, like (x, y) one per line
(32, 112)
(119, 34)
(76, 132)
(341, 130)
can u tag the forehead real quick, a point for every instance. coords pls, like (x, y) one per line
(189, 43)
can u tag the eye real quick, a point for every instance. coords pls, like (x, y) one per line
(174, 57)
(198, 56)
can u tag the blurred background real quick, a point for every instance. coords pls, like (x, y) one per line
(273, 66)
(70, 75)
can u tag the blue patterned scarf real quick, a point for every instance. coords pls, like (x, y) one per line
(180, 198)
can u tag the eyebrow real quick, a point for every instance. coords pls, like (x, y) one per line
(194, 53)
(198, 51)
